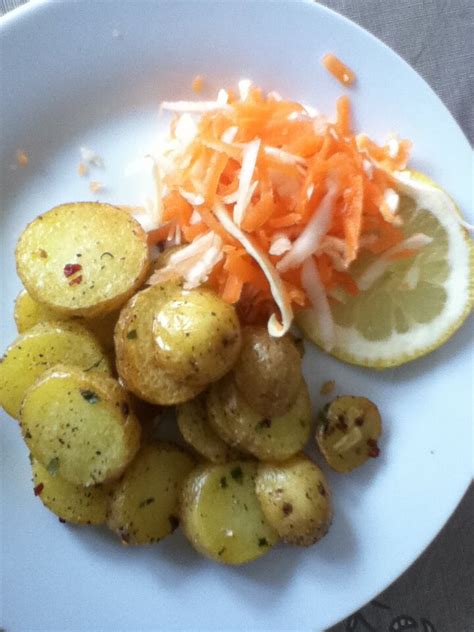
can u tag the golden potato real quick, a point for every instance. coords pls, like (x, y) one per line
(79, 425)
(73, 503)
(197, 336)
(295, 499)
(145, 502)
(29, 313)
(194, 425)
(83, 259)
(268, 371)
(40, 348)
(135, 350)
(221, 515)
(347, 432)
(267, 438)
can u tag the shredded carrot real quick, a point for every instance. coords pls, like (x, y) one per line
(22, 158)
(338, 69)
(197, 83)
(277, 195)
(95, 186)
(82, 169)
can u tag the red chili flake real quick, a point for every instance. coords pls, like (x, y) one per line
(76, 281)
(38, 489)
(62, 521)
(71, 268)
(374, 448)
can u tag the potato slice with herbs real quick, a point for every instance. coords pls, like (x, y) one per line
(40, 348)
(295, 499)
(145, 503)
(197, 336)
(80, 425)
(267, 438)
(194, 425)
(135, 350)
(72, 503)
(83, 259)
(347, 432)
(268, 371)
(221, 515)
(29, 313)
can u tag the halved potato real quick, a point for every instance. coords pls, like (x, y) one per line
(221, 515)
(295, 499)
(135, 350)
(73, 503)
(267, 438)
(194, 425)
(347, 432)
(197, 336)
(40, 348)
(145, 502)
(80, 425)
(29, 313)
(83, 258)
(268, 371)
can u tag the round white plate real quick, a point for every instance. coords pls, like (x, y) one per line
(93, 73)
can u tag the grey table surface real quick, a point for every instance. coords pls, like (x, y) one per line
(436, 594)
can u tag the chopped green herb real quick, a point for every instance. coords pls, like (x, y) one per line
(262, 542)
(223, 482)
(132, 334)
(90, 396)
(219, 553)
(107, 254)
(237, 474)
(53, 466)
(93, 366)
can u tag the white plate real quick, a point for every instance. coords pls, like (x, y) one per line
(93, 73)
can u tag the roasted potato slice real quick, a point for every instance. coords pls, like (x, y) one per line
(268, 371)
(135, 350)
(267, 438)
(194, 425)
(347, 432)
(80, 425)
(40, 348)
(29, 313)
(73, 503)
(145, 502)
(83, 259)
(197, 336)
(295, 499)
(221, 515)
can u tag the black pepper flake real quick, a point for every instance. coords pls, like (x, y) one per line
(264, 423)
(321, 489)
(146, 502)
(219, 553)
(374, 449)
(262, 542)
(237, 474)
(174, 521)
(287, 509)
(27, 434)
(62, 521)
(359, 421)
(90, 396)
(125, 408)
(132, 334)
(38, 489)
(53, 466)
(223, 482)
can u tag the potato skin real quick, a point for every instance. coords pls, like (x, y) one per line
(79, 425)
(194, 425)
(106, 247)
(295, 499)
(40, 348)
(197, 336)
(268, 371)
(221, 516)
(135, 354)
(347, 432)
(267, 438)
(73, 503)
(144, 507)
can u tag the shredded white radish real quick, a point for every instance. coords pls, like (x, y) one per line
(249, 160)
(368, 168)
(377, 269)
(193, 106)
(195, 218)
(311, 111)
(274, 96)
(314, 289)
(280, 244)
(393, 146)
(193, 263)
(279, 294)
(284, 156)
(193, 198)
(158, 201)
(309, 191)
(229, 134)
(336, 250)
(391, 199)
(411, 279)
(244, 88)
(222, 97)
(91, 157)
(309, 240)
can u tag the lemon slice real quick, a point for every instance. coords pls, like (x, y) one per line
(417, 303)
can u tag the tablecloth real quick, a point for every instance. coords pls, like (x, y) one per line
(436, 37)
